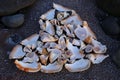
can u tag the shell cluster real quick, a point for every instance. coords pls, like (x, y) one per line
(63, 40)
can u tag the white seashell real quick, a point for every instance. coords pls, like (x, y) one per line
(74, 20)
(76, 42)
(45, 37)
(83, 46)
(42, 24)
(27, 49)
(49, 28)
(17, 52)
(30, 41)
(49, 15)
(52, 67)
(44, 59)
(78, 66)
(61, 42)
(59, 30)
(98, 47)
(28, 67)
(88, 48)
(33, 56)
(74, 50)
(89, 31)
(54, 54)
(96, 58)
(81, 33)
(66, 29)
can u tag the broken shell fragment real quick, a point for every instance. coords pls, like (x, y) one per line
(78, 66)
(49, 28)
(98, 47)
(44, 59)
(96, 58)
(74, 20)
(52, 67)
(28, 67)
(49, 15)
(30, 40)
(17, 52)
(45, 37)
(54, 54)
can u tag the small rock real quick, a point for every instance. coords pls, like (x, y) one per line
(13, 21)
(116, 58)
(110, 26)
(11, 6)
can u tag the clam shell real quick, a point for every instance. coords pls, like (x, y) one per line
(28, 67)
(78, 66)
(17, 52)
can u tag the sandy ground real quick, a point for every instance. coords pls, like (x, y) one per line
(87, 11)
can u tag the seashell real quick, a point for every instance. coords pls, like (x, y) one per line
(76, 42)
(45, 37)
(27, 50)
(30, 41)
(83, 46)
(59, 30)
(52, 67)
(61, 42)
(74, 50)
(78, 66)
(49, 15)
(49, 28)
(90, 32)
(81, 33)
(98, 47)
(69, 34)
(33, 56)
(62, 15)
(42, 24)
(88, 48)
(28, 67)
(55, 22)
(54, 54)
(74, 20)
(17, 52)
(96, 58)
(44, 59)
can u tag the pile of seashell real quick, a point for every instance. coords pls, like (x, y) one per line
(63, 40)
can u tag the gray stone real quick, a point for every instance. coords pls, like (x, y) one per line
(13, 21)
(11, 6)
(110, 26)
